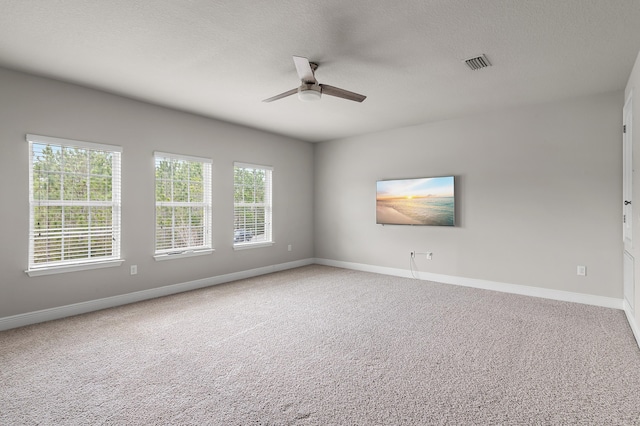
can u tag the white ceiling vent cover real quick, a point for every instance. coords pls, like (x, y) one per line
(477, 62)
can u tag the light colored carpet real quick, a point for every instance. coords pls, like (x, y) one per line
(326, 346)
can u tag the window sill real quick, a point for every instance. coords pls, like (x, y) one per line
(246, 246)
(73, 268)
(181, 254)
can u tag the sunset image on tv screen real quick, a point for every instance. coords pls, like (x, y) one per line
(424, 201)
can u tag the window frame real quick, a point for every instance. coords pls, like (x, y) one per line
(267, 205)
(86, 263)
(207, 204)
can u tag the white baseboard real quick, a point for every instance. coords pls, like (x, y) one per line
(29, 318)
(632, 322)
(565, 296)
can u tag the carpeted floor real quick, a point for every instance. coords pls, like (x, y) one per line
(326, 346)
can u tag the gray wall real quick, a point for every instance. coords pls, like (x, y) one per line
(538, 193)
(36, 105)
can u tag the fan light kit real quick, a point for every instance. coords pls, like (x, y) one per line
(310, 89)
(310, 93)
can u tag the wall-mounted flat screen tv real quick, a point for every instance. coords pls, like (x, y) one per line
(422, 201)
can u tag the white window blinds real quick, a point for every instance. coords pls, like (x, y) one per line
(183, 203)
(74, 202)
(252, 204)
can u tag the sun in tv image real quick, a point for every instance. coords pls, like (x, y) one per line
(424, 201)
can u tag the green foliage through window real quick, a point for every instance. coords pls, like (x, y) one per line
(75, 208)
(183, 203)
(252, 204)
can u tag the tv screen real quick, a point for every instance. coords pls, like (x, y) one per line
(422, 201)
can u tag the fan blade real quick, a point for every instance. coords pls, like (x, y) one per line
(341, 93)
(282, 95)
(304, 69)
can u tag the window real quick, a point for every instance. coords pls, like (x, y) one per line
(74, 205)
(252, 205)
(183, 205)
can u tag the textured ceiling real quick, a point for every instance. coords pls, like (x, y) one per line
(221, 58)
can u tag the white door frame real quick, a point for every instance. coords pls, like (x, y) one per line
(627, 207)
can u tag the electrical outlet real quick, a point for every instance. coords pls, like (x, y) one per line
(134, 269)
(289, 247)
(582, 270)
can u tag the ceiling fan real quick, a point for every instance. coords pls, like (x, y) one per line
(310, 89)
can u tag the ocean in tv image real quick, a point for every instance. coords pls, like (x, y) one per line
(424, 201)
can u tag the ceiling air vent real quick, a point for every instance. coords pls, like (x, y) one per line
(478, 62)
